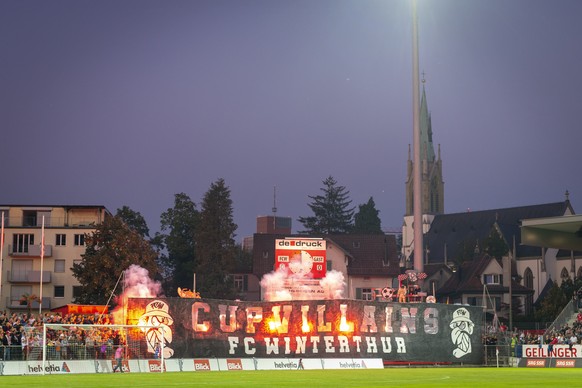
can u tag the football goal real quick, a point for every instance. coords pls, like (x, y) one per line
(93, 348)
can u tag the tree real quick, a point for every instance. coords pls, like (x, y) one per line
(331, 211)
(178, 225)
(495, 245)
(110, 250)
(26, 300)
(366, 220)
(570, 287)
(215, 245)
(553, 303)
(134, 220)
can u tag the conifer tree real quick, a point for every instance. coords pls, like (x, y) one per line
(331, 211)
(178, 226)
(215, 246)
(366, 220)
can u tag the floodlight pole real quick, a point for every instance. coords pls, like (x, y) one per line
(417, 169)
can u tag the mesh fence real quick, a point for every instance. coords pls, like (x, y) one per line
(87, 342)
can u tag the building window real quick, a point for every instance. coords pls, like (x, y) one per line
(355, 244)
(20, 270)
(61, 240)
(21, 242)
(59, 291)
(60, 265)
(79, 239)
(492, 279)
(265, 254)
(241, 283)
(328, 265)
(528, 278)
(76, 291)
(366, 294)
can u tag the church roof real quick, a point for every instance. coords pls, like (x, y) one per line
(426, 145)
(449, 232)
(468, 279)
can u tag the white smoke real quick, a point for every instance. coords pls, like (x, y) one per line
(333, 285)
(276, 286)
(273, 286)
(136, 284)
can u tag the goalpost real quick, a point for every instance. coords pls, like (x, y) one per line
(92, 348)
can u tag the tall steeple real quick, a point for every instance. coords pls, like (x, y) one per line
(431, 174)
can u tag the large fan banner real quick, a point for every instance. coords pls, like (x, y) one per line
(415, 332)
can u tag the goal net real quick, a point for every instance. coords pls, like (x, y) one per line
(93, 348)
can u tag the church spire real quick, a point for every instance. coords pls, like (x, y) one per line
(430, 166)
(426, 127)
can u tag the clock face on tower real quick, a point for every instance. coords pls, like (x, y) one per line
(301, 263)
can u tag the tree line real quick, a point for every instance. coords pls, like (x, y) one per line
(199, 241)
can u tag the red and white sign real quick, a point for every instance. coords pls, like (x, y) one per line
(234, 364)
(155, 366)
(565, 363)
(201, 365)
(536, 363)
(301, 258)
(558, 351)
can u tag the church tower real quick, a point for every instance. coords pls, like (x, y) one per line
(432, 172)
(432, 186)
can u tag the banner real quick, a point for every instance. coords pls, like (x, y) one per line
(206, 328)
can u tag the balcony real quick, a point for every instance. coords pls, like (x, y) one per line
(16, 304)
(29, 277)
(53, 222)
(29, 251)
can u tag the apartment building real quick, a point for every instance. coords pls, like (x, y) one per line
(25, 270)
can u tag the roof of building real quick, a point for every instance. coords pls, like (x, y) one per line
(35, 206)
(449, 232)
(468, 279)
(368, 255)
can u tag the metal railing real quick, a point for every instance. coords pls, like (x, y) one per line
(29, 276)
(15, 303)
(565, 316)
(498, 355)
(51, 222)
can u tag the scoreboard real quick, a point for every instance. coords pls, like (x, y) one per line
(301, 258)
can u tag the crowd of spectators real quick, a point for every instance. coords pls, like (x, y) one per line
(568, 334)
(21, 336)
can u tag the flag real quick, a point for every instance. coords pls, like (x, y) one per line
(2, 236)
(1, 251)
(42, 241)
(421, 276)
(402, 277)
(41, 266)
(495, 322)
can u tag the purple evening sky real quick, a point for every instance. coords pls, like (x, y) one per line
(129, 102)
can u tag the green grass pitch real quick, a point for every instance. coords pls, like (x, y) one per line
(390, 377)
